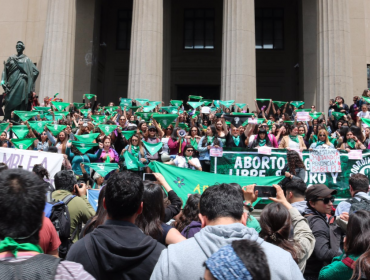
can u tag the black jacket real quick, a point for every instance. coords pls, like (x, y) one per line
(173, 209)
(117, 250)
(230, 141)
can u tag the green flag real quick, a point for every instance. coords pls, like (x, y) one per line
(87, 138)
(83, 147)
(128, 134)
(195, 105)
(89, 96)
(279, 103)
(366, 121)
(60, 105)
(3, 126)
(185, 181)
(338, 115)
(165, 119)
(297, 104)
(78, 105)
(153, 148)
(39, 125)
(195, 97)
(147, 109)
(228, 103)
(55, 129)
(26, 115)
(20, 130)
(262, 99)
(155, 103)
(176, 103)
(98, 118)
(85, 112)
(111, 109)
(107, 129)
(131, 162)
(23, 144)
(303, 110)
(125, 102)
(142, 101)
(315, 116)
(241, 105)
(144, 115)
(44, 109)
(103, 168)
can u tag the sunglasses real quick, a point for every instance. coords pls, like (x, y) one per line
(134, 140)
(122, 119)
(151, 129)
(322, 135)
(326, 200)
(194, 131)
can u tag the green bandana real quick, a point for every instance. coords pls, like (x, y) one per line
(303, 110)
(132, 162)
(23, 144)
(188, 158)
(144, 116)
(55, 129)
(44, 109)
(228, 103)
(78, 105)
(195, 97)
(319, 143)
(216, 103)
(39, 125)
(262, 99)
(195, 105)
(103, 169)
(128, 134)
(9, 244)
(236, 140)
(194, 143)
(84, 147)
(289, 122)
(210, 139)
(147, 109)
(132, 108)
(98, 118)
(3, 126)
(181, 125)
(60, 105)
(153, 148)
(241, 105)
(279, 103)
(85, 112)
(87, 138)
(303, 135)
(155, 103)
(366, 121)
(165, 119)
(176, 103)
(294, 138)
(125, 102)
(315, 138)
(89, 96)
(26, 115)
(262, 142)
(243, 114)
(259, 121)
(142, 101)
(315, 116)
(297, 104)
(56, 117)
(135, 150)
(107, 129)
(111, 109)
(338, 115)
(20, 130)
(351, 143)
(196, 113)
(169, 109)
(207, 102)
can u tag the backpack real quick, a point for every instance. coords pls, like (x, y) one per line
(57, 212)
(362, 204)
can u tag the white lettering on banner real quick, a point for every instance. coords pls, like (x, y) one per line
(50, 161)
(325, 160)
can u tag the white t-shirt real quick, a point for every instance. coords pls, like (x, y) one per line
(365, 115)
(180, 161)
(165, 148)
(293, 145)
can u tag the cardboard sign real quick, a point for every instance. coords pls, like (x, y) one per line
(252, 121)
(325, 160)
(303, 116)
(355, 154)
(206, 110)
(216, 152)
(264, 150)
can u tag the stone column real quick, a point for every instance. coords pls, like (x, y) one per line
(239, 52)
(59, 50)
(334, 60)
(146, 54)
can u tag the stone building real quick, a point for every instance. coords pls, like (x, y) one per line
(309, 50)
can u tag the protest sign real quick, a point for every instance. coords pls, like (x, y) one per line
(215, 152)
(264, 150)
(206, 110)
(325, 160)
(355, 154)
(303, 116)
(241, 162)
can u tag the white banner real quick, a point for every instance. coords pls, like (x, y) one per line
(13, 158)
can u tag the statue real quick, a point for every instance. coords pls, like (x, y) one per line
(18, 81)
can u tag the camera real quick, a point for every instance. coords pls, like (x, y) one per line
(182, 133)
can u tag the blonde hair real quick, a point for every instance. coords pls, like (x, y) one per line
(327, 142)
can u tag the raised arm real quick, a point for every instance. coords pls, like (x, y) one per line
(257, 108)
(268, 108)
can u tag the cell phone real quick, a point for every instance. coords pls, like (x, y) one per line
(265, 191)
(20, 166)
(149, 177)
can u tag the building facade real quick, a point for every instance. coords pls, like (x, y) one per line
(310, 50)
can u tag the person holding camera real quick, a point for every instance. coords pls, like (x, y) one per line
(205, 144)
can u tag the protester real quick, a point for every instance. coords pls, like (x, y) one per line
(189, 222)
(295, 168)
(131, 254)
(188, 160)
(295, 194)
(108, 154)
(205, 144)
(293, 141)
(323, 141)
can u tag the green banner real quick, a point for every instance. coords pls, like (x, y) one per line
(60, 105)
(87, 138)
(303, 110)
(103, 168)
(185, 181)
(23, 144)
(236, 161)
(39, 125)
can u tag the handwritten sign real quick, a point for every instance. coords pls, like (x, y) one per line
(303, 116)
(325, 160)
(206, 110)
(216, 152)
(355, 154)
(252, 121)
(264, 150)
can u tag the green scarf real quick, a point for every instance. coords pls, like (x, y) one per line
(210, 139)
(236, 140)
(135, 150)
(303, 135)
(188, 158)
(294, 138)
(9, 244)
(319, 143)
(351, 143)
(262, 142)
(194, 143)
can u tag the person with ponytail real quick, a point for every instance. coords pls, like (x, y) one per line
(356, 243)
(205, 144)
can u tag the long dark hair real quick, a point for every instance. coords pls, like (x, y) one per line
(362, 267)
(358, 233)
(294, 161)
(256, 141)
(189, 213)
(100, 216)
(40, 171)
(275, 224)
(215, 135)
(150, 220)
(356, 131)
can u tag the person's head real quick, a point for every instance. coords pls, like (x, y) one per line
(190, 212)
(367, 132)
(358, 183)
(205, 122)
(53, 149)
(262, 134)
(111, 104)
(349, 135)
(331, 102)
(235, 131)
(4, 144)
(221, 203)
(20, 47)
(152, 131)
(132, 118)
(61, 136)
(122, 120)
(295, 190)
(364, 108)
(301, 130)
(189, 150)
(339, 100)
(322, 135)
(242, 259)
(3, 136)
(3, 166)
(356, 131)
(107, 142)
(135, 140)
(43, 136)
(294, 161)
(123, 196)
(194, 131)
(152, 216)
(294, 130)
(275, 224)
(320, 198)
(65, 180)
(169, 130)
(143, 126)
(22, 202)
(219, 124)
(40, 171)
(366, 92)
(357, 239)
(211, 131)
(98, 179)
(313, 108)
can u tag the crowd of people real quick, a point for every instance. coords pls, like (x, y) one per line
(143, 230)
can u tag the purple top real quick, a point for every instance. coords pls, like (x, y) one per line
(191, 229)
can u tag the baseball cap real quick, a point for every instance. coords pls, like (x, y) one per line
(152, 127)
(318, 190)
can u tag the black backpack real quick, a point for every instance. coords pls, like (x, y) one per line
(362, 204)
(57, 212)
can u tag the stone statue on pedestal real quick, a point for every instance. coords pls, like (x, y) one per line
(18, 81)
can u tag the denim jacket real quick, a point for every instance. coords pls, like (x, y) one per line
(203, 151)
